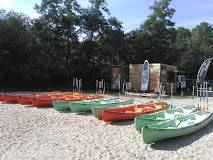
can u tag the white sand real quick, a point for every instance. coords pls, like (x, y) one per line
(31, 133)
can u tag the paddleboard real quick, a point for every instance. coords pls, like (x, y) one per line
(145, 77)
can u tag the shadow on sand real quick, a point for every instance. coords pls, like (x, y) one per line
(45, 108)
(84, 113)
(64, 111)
(122, 123)
(7, 103)
(179, 142)
(28, 106)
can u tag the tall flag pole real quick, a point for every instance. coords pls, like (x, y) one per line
(200, 82)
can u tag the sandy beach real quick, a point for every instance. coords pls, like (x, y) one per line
(34, 133)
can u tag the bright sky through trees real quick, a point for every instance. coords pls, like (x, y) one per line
(132, 13)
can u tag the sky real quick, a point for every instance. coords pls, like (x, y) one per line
(132, 13)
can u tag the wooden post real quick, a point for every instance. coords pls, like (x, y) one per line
(171, 90)
(123, 88)
(204, 96)
(193, 90)
(207, 97)
(96, 86)
(76, 83)
(80, 85)
(119, 86)
(104, 88)
(73, 85)
(201, 86)
(197, 95)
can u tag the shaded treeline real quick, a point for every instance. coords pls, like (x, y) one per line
(67, 41)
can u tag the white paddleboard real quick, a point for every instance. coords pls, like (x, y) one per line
(145, 77)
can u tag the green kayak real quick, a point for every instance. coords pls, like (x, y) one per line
(60, 105)
(86, 106)
(177, 127)
(149, 119)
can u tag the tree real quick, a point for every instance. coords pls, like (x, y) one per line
(202, 39)
(15, 46)
(57, 29)
(92, 25)
(93, 20)
(158, 33)
(201, 47)
(111, 41)
(183, 40)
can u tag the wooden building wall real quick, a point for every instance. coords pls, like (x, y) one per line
(159, 73)
(135, 76)
(154, 79)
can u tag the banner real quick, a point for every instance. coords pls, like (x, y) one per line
(203, 70)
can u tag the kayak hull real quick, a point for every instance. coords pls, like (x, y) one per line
(1, 97)
(10, 98)
(42, 103)
(97, 110)
(62, 105)
(25, 100)
(129, 113)
(169, 129)
(86, 107)
(77, 107)
(109, 116)
(154, 118)
(47, 101)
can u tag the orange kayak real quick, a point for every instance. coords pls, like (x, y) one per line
(1, 97)
(47, 101)
(129, 113)
(26, 99)
(78, 97)
(14, 98)
(39, 102)
(10, 98)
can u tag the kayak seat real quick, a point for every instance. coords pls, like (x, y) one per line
(168, 116)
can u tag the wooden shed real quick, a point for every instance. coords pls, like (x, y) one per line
(159, 74)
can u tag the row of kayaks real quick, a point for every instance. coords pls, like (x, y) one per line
(153, 120)
(171, 123)
(45, 99)
(111, 109)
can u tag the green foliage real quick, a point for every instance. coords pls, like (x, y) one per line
(70, 41)
(158, 33)
(57, 31)
(183, 40)
(155, 39)
(93, 20)
(201, 46)
(15, 45)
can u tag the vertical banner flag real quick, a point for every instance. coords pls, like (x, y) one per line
(203, 71)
